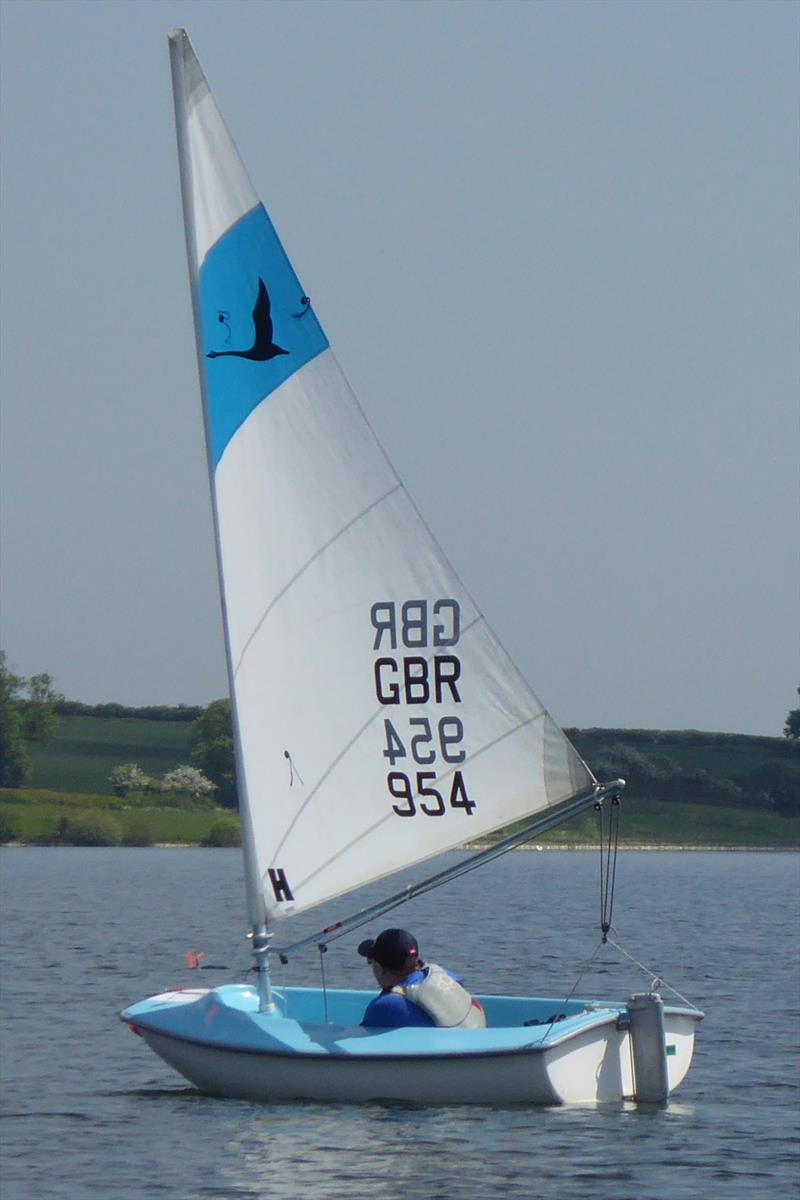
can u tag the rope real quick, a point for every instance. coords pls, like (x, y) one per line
(656, 981)
(609, 849)
(608, 860)
(555, 1017)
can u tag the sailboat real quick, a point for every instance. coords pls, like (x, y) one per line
(378, 722)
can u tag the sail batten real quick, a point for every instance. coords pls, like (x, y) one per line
(377, 718)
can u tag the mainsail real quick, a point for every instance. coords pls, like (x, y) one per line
(378, 721)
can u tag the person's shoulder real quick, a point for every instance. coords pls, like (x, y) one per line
(391, 1010)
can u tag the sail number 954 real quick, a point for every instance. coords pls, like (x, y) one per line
(424, 744)
(429, 799)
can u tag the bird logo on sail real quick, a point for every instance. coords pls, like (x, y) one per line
(263, 347)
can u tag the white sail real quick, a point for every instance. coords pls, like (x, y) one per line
(378, 720)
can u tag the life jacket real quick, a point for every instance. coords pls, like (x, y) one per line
(446, 1002)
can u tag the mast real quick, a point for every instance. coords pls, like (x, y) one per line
(178, 42)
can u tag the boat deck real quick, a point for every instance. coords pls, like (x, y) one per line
(308, 1021)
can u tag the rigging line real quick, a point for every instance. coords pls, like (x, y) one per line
(574, 988)
(606, 887)
(601, 831)
(390, 815)
(657, 978)
(614, 820)
(339, 533)
(608, 834)
(345, 750)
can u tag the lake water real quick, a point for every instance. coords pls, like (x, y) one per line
(89, 1111)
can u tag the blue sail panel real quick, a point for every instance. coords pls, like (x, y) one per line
(257, 325)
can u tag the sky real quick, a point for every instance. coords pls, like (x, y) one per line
(555, 248)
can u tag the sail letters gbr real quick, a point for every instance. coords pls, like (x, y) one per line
(416, 666)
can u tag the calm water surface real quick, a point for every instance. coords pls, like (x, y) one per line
(89, 1111)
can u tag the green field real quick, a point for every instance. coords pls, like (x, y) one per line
(36, 815)
(685, 788)
(84, 751)
(50, 817)
(682, 823)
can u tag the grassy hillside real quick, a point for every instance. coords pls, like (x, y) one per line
(687, 788)
(45, 817)
(85, 749)
(683, 823)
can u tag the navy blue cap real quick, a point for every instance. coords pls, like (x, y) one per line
(390, 949)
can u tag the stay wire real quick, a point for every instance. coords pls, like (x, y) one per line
(656, 981)
(609, 848)
(558, 1016)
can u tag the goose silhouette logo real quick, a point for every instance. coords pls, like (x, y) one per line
(263, 347)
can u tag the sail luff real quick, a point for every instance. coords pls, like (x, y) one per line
(178, 46)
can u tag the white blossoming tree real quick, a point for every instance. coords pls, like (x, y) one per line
(188, 780)
(128, 777)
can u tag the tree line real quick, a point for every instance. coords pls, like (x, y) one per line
(27, 714)
(211, 739)
(145, 712)
(30, 708)
(774, 784)
(791, 729)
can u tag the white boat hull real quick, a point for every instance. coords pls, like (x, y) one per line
(586, 1058)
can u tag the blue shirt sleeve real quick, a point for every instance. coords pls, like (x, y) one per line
(390, 1011)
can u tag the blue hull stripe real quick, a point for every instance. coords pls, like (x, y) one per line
(248, 253)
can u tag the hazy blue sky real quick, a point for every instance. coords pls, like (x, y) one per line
(555, 248)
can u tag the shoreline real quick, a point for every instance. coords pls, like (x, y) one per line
(539, 847)
(648, 846)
